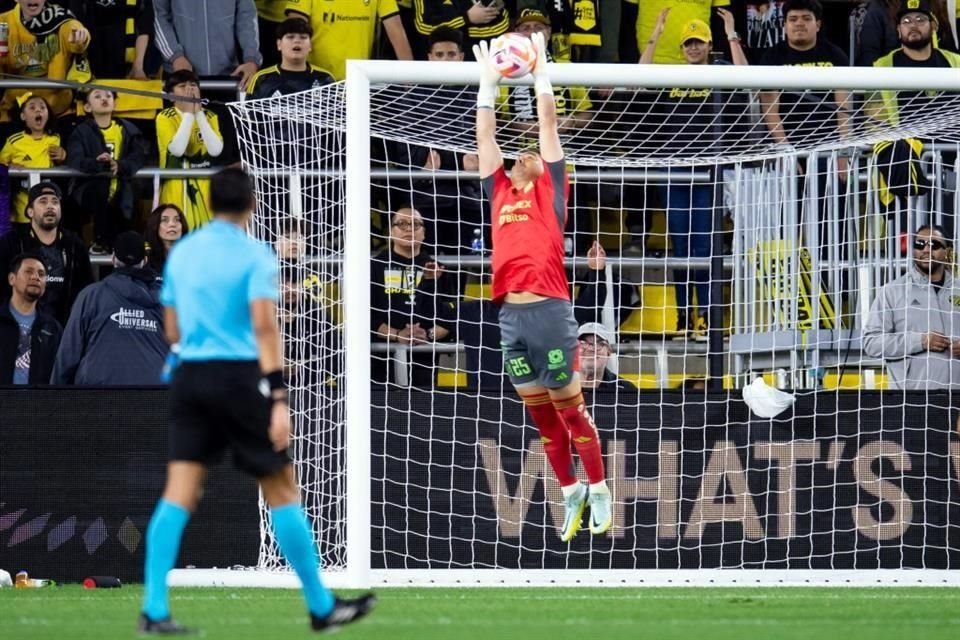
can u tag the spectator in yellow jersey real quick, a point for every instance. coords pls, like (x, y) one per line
(477, 19)
(36, 147)
(346, 30)
(188, 136)
(105, 145)
(681, 13)
(43, 40)
(294, 73)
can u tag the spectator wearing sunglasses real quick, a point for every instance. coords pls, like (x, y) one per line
(914, 322)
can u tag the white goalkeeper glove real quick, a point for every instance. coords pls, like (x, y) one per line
(489, 76)
(541, 79)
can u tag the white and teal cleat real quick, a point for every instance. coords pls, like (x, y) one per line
(573, 505)
(601, 512)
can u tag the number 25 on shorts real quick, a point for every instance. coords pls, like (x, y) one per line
(518, 366)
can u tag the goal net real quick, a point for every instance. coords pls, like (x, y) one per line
(724, 225)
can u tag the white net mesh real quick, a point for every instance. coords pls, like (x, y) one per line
(709, 252)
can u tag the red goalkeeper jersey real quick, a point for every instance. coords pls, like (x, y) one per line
(528, 233)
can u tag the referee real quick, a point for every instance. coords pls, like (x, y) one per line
(220, 293)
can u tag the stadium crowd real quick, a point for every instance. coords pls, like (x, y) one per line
(50, 230)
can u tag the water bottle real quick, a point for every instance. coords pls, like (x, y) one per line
(568, 245)
(476, 245)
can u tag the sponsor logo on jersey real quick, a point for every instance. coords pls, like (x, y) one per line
(134, 319)
(510, 213)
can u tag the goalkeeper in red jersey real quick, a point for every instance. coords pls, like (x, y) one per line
(538, 330)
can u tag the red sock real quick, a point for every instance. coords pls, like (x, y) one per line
(584, 434)
(555, 437)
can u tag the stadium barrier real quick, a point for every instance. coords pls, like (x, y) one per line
(80, 474)
(846, 481)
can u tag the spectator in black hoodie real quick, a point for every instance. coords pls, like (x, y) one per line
(28, 337)
(113, 148)
(115, 334)
(64, 254)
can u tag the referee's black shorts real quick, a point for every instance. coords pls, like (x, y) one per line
(222, 404)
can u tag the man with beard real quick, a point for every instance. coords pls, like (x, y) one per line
(914, 322)
(596, 345)
(899, 173)
(28, 337)
(915, 28)
(115, 333)
(64, 254)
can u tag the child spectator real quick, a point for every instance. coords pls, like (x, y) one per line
(102, 144)
(36, 147)
(188, 136)
(165, 226)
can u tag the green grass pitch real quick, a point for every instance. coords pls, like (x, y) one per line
(70, 612)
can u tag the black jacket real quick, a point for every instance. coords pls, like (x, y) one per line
(61, 290)
(115, 333)
(45, 338)
(86, 143)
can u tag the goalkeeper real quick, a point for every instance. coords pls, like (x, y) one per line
(538, 329)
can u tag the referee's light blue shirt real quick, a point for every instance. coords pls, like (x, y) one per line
(211, 277)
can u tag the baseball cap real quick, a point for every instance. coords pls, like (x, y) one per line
(596, 329)
(129, 248)
(43, 188)
(914, 6)
(696, 30)
(532, 15)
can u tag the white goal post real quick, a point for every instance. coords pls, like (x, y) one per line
(768, 548)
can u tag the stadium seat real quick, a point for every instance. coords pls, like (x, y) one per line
(477, 291)
(657, 313)
(451, 379)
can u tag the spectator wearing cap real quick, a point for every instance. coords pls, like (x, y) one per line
(689, 115)
(43, 40)
(64, 253)
(28, 337)
(899, 172)
(210, 38)
(681, 13)
(107, 146)
(294, 73)
(914, 322)
(480, 20)
(573, 103)
(188, 136)
(596, 353)
(115, 333)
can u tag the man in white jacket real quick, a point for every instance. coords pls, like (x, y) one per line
(914, 322)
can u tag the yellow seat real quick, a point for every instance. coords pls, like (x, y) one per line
(451, 379)
(478, 291)
(657, 312)
(649, 380)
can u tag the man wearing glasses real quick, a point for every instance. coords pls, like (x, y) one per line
(914, 322)
(411, 298)
(596, 348)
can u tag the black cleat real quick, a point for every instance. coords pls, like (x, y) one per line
(344, 612)
(165, 627)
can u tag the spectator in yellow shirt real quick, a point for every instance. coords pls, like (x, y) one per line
(36, 147)
(669, 50)
(188, 136)
(43, 40)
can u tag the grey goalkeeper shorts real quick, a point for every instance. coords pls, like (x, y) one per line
(539, 343)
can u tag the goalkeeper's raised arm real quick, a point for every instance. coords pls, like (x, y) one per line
(550, 149)
(487, 148)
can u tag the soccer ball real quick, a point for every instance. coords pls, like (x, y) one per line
(5, 580)
(513, 55)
